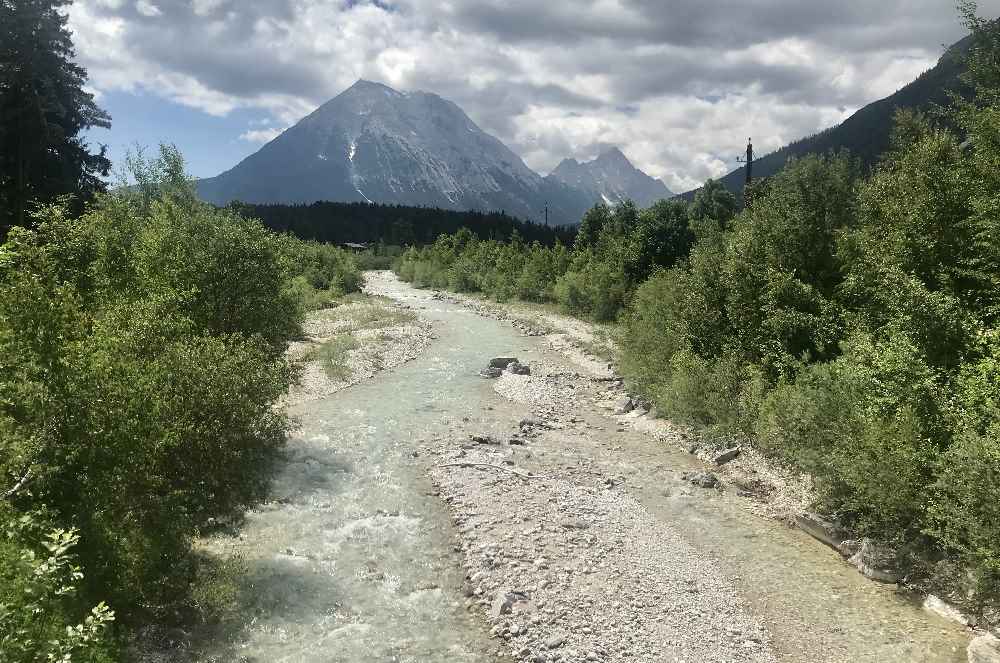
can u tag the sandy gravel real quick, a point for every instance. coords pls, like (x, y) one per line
(387, 333)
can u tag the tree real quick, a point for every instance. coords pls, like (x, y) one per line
(43, 110)
(590, 227)
(661, 237)
(713, 201)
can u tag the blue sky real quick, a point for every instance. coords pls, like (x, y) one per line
(211, 144)
(678, 86)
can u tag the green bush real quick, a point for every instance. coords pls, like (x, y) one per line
(42, 617)
(141, 359)
(965, 511)
(867, 427)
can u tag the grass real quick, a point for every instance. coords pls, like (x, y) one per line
(332, 354)
(377, 317)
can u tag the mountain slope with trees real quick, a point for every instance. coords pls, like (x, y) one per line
(866, 134)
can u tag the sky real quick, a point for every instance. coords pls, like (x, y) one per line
(678, 85)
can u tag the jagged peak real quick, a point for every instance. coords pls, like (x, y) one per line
(362, 85)
(612, 154)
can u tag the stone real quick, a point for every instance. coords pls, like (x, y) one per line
(984, 649)
(875, 561)
(726, 456)
(942, 609)
(503, 602)
(517, 368)
(624, 405)
(574, 523)
(555, 641)
(485, 439)
(701, 479)
(828, 532)
(490, 373)
(502, 362)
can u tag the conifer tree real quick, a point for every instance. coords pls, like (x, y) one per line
(43, 111)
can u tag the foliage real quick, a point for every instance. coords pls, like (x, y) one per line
(39, 604)
(395, 225)
(141, 358)
(614, 249)
(43, 110)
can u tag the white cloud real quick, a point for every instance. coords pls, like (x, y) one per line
(147, 8)
(678, 86)
(260, 135)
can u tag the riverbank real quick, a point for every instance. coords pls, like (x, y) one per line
(363, 335)
(611, 435)
(344, 345)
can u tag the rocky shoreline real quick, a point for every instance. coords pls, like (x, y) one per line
(568, 565)
(769, 491)
(385, 334)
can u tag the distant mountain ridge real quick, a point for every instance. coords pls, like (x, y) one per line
(866, 133)
(372, 143)
(612, 178)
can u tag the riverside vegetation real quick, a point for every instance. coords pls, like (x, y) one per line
(847, 323)
(142, 352)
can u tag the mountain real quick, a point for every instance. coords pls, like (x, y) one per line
(866, 133)
(372, 143)
(611, 178)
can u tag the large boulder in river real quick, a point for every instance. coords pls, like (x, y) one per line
(984, 649)
(490, 372)
(502, 362)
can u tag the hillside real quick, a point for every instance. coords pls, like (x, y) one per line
(866, 133)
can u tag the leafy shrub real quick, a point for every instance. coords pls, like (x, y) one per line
(141, 357)
(40, 607)
(965, 512)
(866, 426)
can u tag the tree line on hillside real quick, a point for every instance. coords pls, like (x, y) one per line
(397, 225)
(847, 324)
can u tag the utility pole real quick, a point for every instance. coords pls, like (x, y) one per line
(749, 172)
(546, 213)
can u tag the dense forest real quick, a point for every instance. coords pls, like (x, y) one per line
(394, 225)
(846, 324)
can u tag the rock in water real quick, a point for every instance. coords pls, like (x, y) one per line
(828, 532)
(984, 649)
(502, 362)
(875, 561)
(490, 372)
(941, 608)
